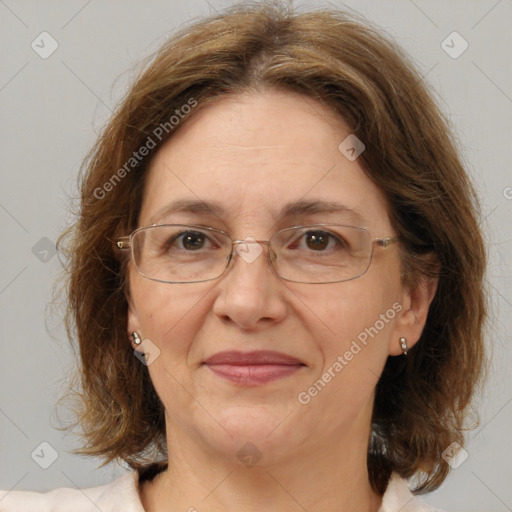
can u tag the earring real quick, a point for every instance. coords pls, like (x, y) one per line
(403, 343)
(136, 339)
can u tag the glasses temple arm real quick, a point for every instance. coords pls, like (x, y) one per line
(123, 242)
(387, 241)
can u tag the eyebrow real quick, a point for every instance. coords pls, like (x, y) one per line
(292, 209)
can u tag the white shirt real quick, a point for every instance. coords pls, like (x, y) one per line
(122, 495)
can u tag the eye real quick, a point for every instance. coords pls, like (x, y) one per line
(189, 240)
(318, 241)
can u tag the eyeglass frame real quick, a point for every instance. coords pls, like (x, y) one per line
(125, 242)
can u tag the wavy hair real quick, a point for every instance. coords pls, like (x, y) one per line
(339, 59)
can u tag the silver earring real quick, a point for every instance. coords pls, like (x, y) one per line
(403, 343)
(136, 339)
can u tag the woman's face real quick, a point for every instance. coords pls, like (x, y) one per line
(252, 155)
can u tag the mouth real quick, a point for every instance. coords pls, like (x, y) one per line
(253, 368)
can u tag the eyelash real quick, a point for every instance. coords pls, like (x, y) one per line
(180, 236)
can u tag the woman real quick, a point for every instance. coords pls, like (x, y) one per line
(275, 278)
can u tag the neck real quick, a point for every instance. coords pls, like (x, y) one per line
(326, 474)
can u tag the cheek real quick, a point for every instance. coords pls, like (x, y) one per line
(353, 320)
(353, 329)
(163, 310)
(172, 316)
(349, 309)
(168, 316)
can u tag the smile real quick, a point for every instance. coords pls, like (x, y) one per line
(254, 374)
(253, 368)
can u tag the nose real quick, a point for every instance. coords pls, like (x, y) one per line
(250, 293)
(250, 249)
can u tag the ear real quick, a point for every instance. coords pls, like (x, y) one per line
(412, 317)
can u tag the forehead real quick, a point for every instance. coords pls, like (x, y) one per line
(256, 154)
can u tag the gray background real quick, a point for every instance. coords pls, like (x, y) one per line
(52, 109)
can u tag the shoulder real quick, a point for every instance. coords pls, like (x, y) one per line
(398, 497)
(121, 495)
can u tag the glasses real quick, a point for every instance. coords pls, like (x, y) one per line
(314, 254)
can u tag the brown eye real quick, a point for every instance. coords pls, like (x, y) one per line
(317, 241)
(193, 240)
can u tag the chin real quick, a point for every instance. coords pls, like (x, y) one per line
(258, 435)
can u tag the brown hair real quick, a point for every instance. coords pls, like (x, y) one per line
(336, 58)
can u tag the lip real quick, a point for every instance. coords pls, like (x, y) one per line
(253, 368)
(234, 357)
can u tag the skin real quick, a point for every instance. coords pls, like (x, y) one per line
(253, 153)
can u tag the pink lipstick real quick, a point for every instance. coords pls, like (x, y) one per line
(253, 368)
